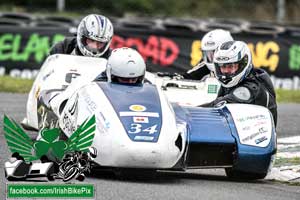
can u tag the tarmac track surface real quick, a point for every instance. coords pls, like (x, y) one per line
(193, 184)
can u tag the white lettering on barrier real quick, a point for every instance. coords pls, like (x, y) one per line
(286, 83)
(25, 73)
(2, 71)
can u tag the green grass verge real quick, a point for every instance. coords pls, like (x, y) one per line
(285, 96)
(286, 161)
(17, 85)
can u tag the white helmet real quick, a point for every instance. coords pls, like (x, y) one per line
(125, 65)
(97, 29)
(233, 63)
(210, 43)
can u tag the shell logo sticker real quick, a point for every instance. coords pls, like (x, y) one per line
(137, 108)
(37, 92)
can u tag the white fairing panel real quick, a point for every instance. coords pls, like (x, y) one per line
(111, 140)
(186, 92)
(254, 124)
(57, 73)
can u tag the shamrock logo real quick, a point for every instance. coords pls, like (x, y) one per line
(19, 141)
(49, 142)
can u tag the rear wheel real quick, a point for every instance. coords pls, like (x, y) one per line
(240, 175)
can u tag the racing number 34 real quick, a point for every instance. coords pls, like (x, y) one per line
(137, 128)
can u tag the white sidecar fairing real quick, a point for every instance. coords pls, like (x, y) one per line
(136, 126)
(186, 92)
(60, 71)
(56, 74)
(238, 137)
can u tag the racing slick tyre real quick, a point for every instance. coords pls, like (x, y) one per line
(70, 173)
(240, 175)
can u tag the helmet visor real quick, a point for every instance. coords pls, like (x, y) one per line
(208, 56)
(227, 71)
(227, 68)
(94, 46)
(127, 80)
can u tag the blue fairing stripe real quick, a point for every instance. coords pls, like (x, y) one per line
(138, 108)
(208, 125)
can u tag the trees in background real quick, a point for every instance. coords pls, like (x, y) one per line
(254, 9)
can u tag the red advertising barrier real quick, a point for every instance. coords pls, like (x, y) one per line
(174, 49)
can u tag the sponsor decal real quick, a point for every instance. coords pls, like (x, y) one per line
(105, 121)
(142, 137)
(37, 92)
(212, 89)
(140, 119)
(146, 114)
(210, 43)
(68, 125)
(91, 105)
(74, 107)
(260, 140)
(137, 108)
(246, 128)
(260, 131)
(254, 117)
(222, 58)
(260, 123)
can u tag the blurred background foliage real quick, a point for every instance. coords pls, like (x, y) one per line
(258, 10)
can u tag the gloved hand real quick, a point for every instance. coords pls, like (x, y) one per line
(46, 96)
(44, 99)
(170, 74)
(177, 76)
(162, 74)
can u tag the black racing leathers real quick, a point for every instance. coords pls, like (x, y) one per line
(198, 72)
(69, 46)
(261, 90)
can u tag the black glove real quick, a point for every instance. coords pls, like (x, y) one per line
(170, 74)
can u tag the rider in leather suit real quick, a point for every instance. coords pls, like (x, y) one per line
(209, 44)
(94, 35)
(240, 82)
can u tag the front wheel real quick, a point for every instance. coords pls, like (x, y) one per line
(240, 175)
